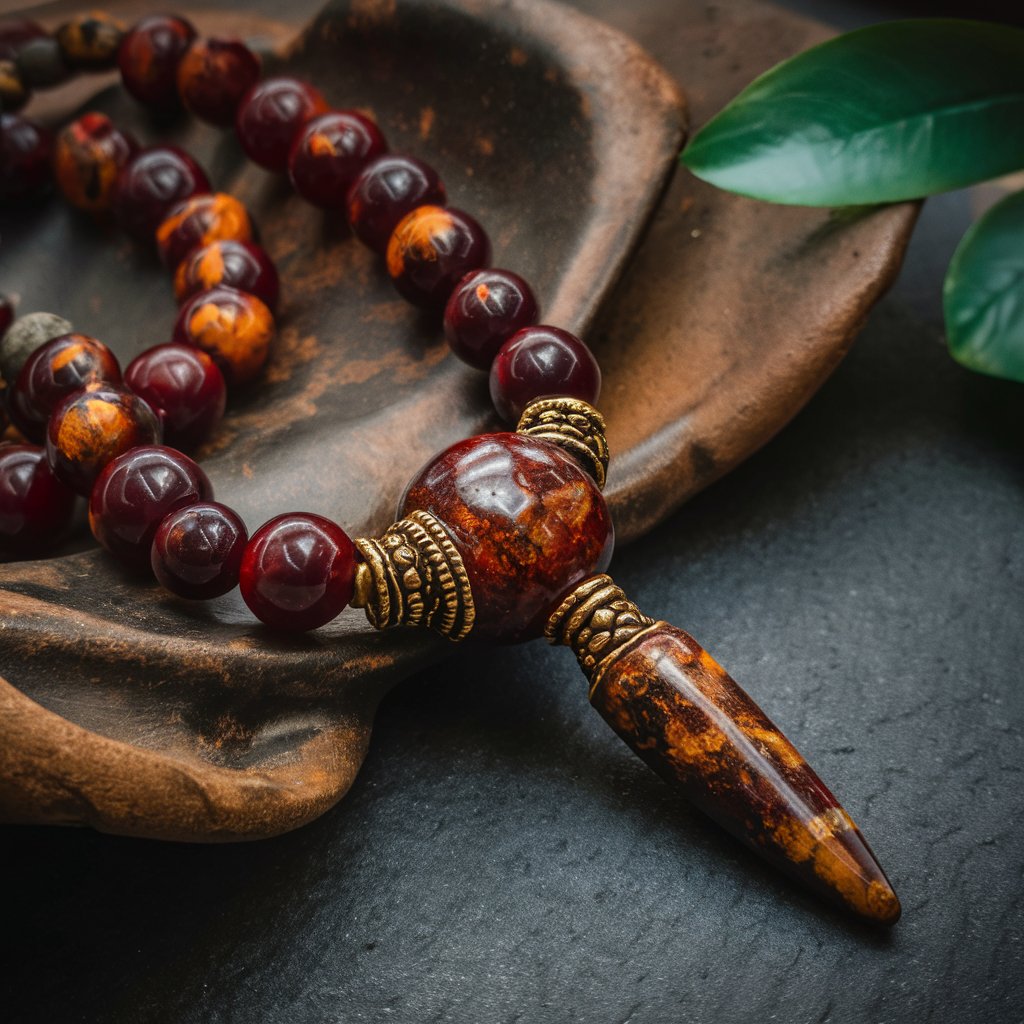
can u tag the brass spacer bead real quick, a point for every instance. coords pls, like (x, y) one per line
(413, 575)
(575, 426)
(597, 621)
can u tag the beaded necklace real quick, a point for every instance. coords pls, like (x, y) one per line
(503, 537)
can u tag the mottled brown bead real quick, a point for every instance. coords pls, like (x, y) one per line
(686, 717)
(88, 157)
(431, 250)
(234, 329)
(14, 93)
(89, 42)
(214, 75)
(528, 522)
(198, 221)
(149, 56)
(92, 427)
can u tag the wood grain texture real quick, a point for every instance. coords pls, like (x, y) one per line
(134, 713)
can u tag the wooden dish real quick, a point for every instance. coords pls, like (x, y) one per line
(135, 713)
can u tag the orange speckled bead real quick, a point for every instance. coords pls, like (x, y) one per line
(431, 250)
(198, 221)
(90, 41)
(87, 158)
(528, 522)
(238, 265)
(233, 328)
(93, 426)
(214, 75)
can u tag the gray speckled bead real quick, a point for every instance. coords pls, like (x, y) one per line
(24, 336)
(41, 64)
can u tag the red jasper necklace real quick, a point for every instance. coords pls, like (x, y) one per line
(504, 536)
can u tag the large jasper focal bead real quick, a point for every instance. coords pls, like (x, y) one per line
(528, 522)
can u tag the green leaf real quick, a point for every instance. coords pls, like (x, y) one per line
(890, 112)
(983, 296)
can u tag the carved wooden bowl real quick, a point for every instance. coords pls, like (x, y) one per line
(128, 710)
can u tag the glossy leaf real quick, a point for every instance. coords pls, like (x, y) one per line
(890, 112)
(983, 295)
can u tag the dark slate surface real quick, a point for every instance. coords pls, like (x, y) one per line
(502, 857)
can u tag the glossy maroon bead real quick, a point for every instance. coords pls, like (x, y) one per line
(15, 33)
(528, 522)
(328, 154)
(183, 385)
(92, 427)
(53, 371)
(35, 508)
(25, 155)
(214, 75)
(239, 265)
(270, 115)
(485, 310)
(198, 221)
(149, 56)
(431, 250)
(87, 159)
(386, 190)
(197, 551)
(541, 362)
(134, 493)
(298, 571)
(150, 184)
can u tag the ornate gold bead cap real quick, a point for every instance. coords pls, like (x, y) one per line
(414, 576)
(596, 621)
(574, 426)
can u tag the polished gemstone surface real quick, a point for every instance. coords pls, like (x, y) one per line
(134, 493)
(92, 427)
(527, 521)
(298, 571)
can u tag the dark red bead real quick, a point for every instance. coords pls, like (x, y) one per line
(151, 184)
(198, 221)
(25, 153)
(92, 427)
(214, 75)
(386, 190)
(271, 114)
(197, 551)
(134, 493)
(298, 571)
(87, 159)
(542, 362)
(235, 329)
(149, 56)
(328, 154)
(431, 250)
(240, 265)
(485, 310)
(183, 385)
(53, 371)
(15, 33)
(528, 522)
(35, 508)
